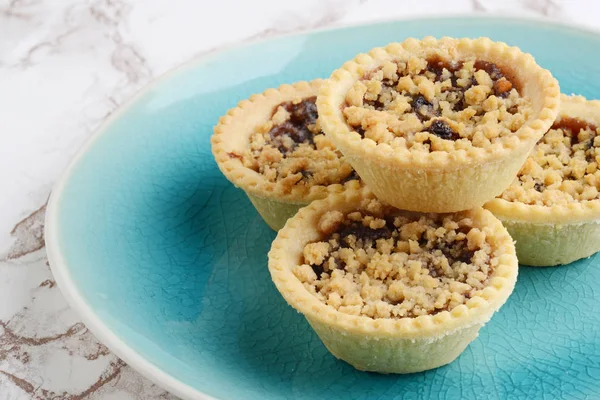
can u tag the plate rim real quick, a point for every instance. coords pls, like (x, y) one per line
(60, 268)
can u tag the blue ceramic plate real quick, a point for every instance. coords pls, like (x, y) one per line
(167, 262)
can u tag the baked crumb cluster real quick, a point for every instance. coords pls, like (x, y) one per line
(562, 168)
(290, 148)
(385, 263)
(436, 105)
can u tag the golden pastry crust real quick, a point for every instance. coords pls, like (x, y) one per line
(288, 248)
(457, 174)
(562, 227)
(520, 205)
(274, 183)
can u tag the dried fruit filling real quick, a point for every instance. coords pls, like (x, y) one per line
(386, 263)
(299, 127)
(290, 148)
(562, 168)
(436, 105)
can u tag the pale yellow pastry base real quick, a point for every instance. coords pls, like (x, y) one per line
(545, 245)
(437, 190)
(274, 212)
(394, 355)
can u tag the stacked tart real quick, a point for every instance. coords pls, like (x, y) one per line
(381, 173)
(438, 125)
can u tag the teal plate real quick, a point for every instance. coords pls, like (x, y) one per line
(167, 262)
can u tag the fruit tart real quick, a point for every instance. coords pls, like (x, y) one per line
(438, 125)
(272, 147)
(552, 208)
(393, 291)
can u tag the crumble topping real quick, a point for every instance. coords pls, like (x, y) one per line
(436, 105)
(562, 168)
(290, 148)
(381, 262)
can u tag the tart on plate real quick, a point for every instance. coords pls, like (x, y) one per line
(393, 291)
(438, 125)
(552, 208)
(272, 147)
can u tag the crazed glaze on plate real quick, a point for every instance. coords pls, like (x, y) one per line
(166, 261)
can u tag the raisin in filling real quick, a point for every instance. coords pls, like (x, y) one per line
(442, 130)
(422, 108)
(572, 127)
(362, 235)
(302, 116)
(352, 177)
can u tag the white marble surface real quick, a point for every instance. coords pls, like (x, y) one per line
(67, 64)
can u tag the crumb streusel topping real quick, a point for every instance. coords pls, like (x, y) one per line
(562, 168)
(385, 263)
(290, 148)
(436, 105)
